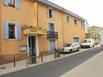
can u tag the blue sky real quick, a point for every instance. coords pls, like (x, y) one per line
(92, 10)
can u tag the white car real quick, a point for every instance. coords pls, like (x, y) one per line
(101, 43)
(88, 43)
(70, 48)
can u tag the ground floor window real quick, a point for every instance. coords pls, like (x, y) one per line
(11, 31)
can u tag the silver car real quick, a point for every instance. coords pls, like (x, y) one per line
(71, 48)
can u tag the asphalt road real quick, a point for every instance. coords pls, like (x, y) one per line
(58, 67)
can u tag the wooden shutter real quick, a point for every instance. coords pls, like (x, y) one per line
(18, 4)
(6, 30)
(18, 31)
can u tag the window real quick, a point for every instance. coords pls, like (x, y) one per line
(50, 13)
(67, 18)
(51, 27)
(75, 20)
(82, 23)
(12, 31)
(12, 3)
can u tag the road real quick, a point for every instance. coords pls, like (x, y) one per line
(58, 67)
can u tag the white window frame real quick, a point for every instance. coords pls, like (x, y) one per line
(67, 19)
(76, 19)
(48, 8)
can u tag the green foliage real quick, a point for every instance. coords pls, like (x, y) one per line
(94, 33)
(58, 52)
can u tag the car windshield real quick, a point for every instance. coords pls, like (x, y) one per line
(85, 41)
(67, 45)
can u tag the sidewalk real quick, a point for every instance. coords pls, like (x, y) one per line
(20, 65)
(91, 68)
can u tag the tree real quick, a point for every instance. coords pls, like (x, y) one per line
(93, 33)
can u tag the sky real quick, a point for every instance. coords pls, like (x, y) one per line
(91, 10)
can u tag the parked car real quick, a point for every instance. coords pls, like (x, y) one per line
(101, 43)
(70, 48)
(88, 43)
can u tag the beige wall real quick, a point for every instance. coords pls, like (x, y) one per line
(65, 30)
(27, 14)
(0, 27)
(24, 15)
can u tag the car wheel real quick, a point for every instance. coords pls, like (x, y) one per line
(78, 49)
(70, 50)
(90, 46)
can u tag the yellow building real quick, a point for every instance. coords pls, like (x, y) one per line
(29, 27)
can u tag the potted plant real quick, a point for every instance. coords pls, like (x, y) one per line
(58, 52)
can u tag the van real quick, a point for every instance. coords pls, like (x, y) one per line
(88, 43)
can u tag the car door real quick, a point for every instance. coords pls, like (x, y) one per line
(73, 47)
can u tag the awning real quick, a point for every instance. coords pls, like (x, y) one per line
(34, 31)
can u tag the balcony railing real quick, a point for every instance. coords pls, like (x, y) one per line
(52, 35)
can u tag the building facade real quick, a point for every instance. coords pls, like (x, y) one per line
(29, 27)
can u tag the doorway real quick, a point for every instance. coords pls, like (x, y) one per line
(76, 39)
(32, 45)
(52, 45)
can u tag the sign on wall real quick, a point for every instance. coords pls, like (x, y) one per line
(23, 48)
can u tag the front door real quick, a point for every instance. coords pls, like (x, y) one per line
(32, 45)
(52, 45)
(76, 39)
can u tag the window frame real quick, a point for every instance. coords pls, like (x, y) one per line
(75, 21)
(53, 24)
(67, 19)
(50, 15)
(82, 23)
(13, 37)
(12, 3)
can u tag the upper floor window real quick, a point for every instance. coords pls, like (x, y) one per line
(67, 18)
(51, 27)
(82, 23)
(75, 21)
(50, 12)
(12, 3)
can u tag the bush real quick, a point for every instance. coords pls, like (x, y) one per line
(58, 52)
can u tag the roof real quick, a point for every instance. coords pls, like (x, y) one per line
(97, 28)
(60, 8)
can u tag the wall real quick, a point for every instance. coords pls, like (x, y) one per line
(29, 15)
(0, 27)
(65, 30)
(25, 16)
